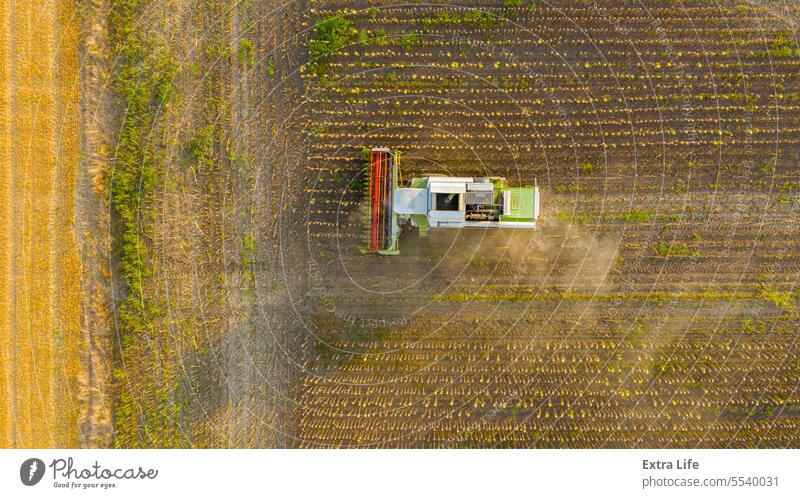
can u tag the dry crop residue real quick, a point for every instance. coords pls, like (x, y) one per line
(40, 338)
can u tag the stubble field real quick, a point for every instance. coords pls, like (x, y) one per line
(40, 336)
(655, 306)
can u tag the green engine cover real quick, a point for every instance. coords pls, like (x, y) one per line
(521, 205)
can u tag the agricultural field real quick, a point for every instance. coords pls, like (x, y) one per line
(656, 305)
(199, 330)
(183, 216)
(41, 347)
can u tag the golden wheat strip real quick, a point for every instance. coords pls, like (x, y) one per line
(65, 246)
(6, 400)
(39, 314)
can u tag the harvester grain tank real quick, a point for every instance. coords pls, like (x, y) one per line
(431, 202)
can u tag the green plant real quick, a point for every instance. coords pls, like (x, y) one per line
(781, 299)
(330, 34)
(480, 262)
(573, 217)
(245, 54)
(200, 144)
(639, 215)
(144, 83)
(782, 47)
(665, 250)
(378, 37)
(473, 17)
(770, 167)
(408, 39)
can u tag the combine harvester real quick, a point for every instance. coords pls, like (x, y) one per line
(439, 202)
